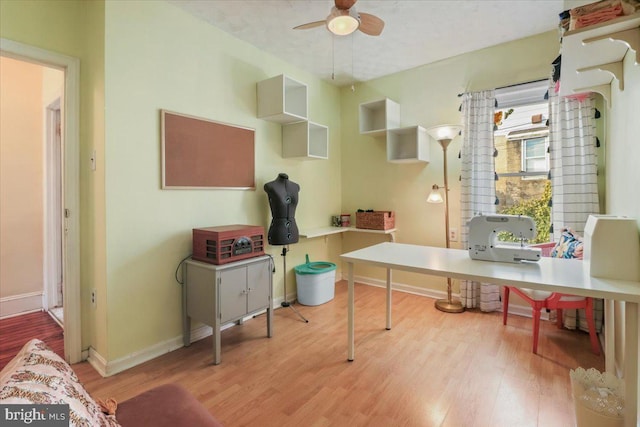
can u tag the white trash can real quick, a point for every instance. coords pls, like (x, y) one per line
(598, 398)
(316, 282)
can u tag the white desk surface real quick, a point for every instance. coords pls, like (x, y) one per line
(550, 274)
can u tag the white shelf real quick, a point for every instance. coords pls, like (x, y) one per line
(378, 116)
(327, 231)
(322, 231)
(592, 56)
(407, 145)
(305, 140)
(282, 99)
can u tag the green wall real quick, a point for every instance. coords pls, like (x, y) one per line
(159, 57)
(428, 96)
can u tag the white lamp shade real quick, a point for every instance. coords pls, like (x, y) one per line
(444, 132)
(435, 196)
(343, 22)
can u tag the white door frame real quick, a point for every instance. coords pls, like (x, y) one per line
(71, 179)
(53, 224)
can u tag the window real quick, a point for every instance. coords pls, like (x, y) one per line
(534, 155)
(522, 165)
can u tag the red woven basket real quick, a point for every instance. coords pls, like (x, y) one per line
(376, 220)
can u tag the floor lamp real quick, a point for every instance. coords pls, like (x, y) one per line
(444, 134)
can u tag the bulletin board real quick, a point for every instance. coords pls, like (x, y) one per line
(204, 154)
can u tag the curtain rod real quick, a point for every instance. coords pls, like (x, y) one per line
(513, 85)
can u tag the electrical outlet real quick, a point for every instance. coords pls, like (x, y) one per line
(93, 299)
(453, 234)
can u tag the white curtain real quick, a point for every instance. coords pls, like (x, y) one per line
(574, 181)
(477, 187)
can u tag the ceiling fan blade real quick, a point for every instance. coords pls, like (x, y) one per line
(310, 25)
(371, 24)
(345, 4)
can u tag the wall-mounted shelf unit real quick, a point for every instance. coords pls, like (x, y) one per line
(592, 56)
(378, 116)
(327, 231)
(282, 99)
(407, 145)
(306, 140)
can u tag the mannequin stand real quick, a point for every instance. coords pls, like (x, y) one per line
(286, 303)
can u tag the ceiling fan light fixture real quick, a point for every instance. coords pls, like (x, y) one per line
(343, 22)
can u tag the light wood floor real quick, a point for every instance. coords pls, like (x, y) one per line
(431, 369)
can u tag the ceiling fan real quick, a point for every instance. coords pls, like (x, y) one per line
(344, 20)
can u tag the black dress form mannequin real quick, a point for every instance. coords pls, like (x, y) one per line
(283, 199)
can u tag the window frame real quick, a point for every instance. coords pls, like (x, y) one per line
(529, 174)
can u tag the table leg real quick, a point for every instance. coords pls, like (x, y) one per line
(186, 331)
(631, 321)
(216, 341)
(186, 320)
(388, 299)
(609, 337)
(350, 315)
(269, 322)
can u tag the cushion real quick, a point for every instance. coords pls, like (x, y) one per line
(167, 405)
(37, 375)
(569, 246)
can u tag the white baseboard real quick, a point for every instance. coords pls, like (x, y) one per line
(518, 310)
(430, 293)
(108, 368)
(16, 305)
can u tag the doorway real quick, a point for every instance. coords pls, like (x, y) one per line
(60, 262)
(53, 300)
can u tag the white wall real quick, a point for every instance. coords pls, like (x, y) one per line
(623, 174)
(27, 89)
(21, 182)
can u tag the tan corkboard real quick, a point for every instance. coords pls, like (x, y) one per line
(201, 153)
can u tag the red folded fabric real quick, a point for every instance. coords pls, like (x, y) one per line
(599, 16)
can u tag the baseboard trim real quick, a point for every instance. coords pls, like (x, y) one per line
(17, 305)
(108, 368)
(515, 309)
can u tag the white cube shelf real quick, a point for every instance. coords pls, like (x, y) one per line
(282, 99)
(378, 116)
(305, 140)
(408, 145)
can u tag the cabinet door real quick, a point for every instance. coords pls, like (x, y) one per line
(259, 285)
(233, 293)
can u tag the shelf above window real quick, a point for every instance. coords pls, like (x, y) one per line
(592, 56)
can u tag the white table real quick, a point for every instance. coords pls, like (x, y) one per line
(549, 274)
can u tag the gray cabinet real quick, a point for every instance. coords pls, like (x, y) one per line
(220, 294)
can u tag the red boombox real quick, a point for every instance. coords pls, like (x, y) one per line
(227, 243)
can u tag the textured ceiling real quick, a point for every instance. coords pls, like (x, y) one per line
(416, 32)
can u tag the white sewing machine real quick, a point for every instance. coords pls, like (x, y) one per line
(484, 244)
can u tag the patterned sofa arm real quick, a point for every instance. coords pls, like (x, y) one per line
(37, 375)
